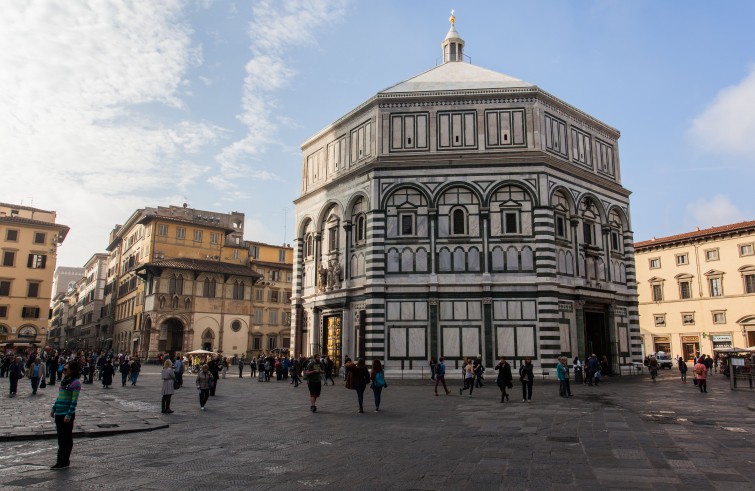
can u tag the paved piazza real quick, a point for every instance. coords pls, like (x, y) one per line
(629, 433)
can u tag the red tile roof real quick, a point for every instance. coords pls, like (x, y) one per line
(697, 234)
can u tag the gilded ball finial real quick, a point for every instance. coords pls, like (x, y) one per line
(452, 19)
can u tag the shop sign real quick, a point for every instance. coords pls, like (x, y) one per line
(690, 339)
(661, 340)
(721, 338)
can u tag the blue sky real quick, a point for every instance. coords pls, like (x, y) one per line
(110, 106)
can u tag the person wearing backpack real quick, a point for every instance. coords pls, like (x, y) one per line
(440, 375)
(377, 376)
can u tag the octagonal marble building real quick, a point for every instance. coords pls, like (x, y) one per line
(464, 212)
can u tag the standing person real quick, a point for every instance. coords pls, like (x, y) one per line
(241, 367)
(253, 367)
(653, 367)
(504, 377)
(204, 382)
(701, 375)
(578, 371)
(527, 377)
(214, 369)
(107, 374)
(16, 373)
(136, 367)
(708, 364)
(682, 369)
(360, 377)
(296, 372)
(479, 369)
(124, 369)
(593, 367)
(64, 412)
(178, 369)
(312, 373)
(36, 373)
(168, 377)
(433, 364)
(377, 377)
(329, 367)
(468, 370)
(224, 367)
(440, 375)
(562, 371)
(52, 368)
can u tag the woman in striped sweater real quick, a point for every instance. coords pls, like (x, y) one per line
(64, 412)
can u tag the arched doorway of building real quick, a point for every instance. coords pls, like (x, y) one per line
(597, 340)
(208, 339)
(171, 336)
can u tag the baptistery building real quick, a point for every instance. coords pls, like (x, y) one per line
(464, 213)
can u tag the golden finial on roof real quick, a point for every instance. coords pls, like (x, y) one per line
(452, 19)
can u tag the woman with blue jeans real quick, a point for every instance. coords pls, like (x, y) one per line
(360, 376)
(377, 376)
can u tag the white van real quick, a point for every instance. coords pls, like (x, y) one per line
(664, 360)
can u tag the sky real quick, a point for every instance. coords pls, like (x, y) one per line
(109, 106)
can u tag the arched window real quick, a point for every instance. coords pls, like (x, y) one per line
(458, 222)
(309, 247)
(172, 284)
(238, 290)
(209, 288)
(360, 229)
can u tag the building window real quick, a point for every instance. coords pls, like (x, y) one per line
(719, 317)
(716, 287)
(274, 296)
(197, 236)
(30, 312)
(749, 280)
(511, 221)
(180, 233)
(210, 287)
(3, 311)
(711, 255)
(214, 238)
(256, 343)
(615, 241)
(588, 233)
(33, 290)
(162, 230)
(176, 285)
(236, 254)
(746, 250)
(39, 237)
(685, 290)
(660, 320)
(682, 259)
(561, 226)
(258, 316)
(4, 288)
(238, 290)
(235, 326)
(333, 239)
(9, 258)
(259, 295)
(458, 222)
(272, 343)
(360, 229)
(655, 263)
(273, 317)
(309, 249)
(286, 319)
(11, 235)
(282, 256)
(657, 291)
(688, 318)
(36, 261)
(406, 224)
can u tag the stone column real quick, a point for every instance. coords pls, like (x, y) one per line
(580, 306)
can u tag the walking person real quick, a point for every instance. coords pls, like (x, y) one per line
(701, 375)
(15, 373)
(296, 372)
(682, 369)
(136, 367)
(313, 373)
(64, 412)
(440, 375)
(359, 377)
(377, 377)
(468, 370)
(504, 377)
(527, 378)
(653, 367)
(329, 367)
(168, 377)
(214, 369)
(36, 373)
(562, 372)
(241, 367)
(204, 382)
(107, 374)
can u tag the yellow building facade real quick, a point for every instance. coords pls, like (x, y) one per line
(29, 238)
(697, 290)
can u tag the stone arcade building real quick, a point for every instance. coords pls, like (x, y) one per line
(464, 212)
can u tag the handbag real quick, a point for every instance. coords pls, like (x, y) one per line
(43, 384)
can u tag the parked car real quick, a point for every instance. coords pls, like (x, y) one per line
(664, 360)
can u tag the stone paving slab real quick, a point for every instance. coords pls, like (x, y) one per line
(100, 412)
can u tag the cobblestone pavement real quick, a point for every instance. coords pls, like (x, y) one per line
(628, 433)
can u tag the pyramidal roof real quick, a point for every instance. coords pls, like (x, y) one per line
(457, 76)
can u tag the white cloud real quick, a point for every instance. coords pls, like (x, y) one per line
(727, 124)
(74, 80)
(715, 212)
(276, 28)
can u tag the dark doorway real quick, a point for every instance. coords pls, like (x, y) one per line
(171, 336)
(596, 336)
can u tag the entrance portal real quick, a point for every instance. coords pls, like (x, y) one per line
(171, 336)
(331, 335)
(596, 336)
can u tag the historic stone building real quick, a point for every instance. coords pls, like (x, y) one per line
(29, 240)
(696, 290)
(464, 212)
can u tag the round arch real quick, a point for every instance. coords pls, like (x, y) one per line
(457, 184)
(510, 182)
(598, 206)
(622, 216)
(325, 210)
(392, 189)
(353, 200)
(567, 194)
